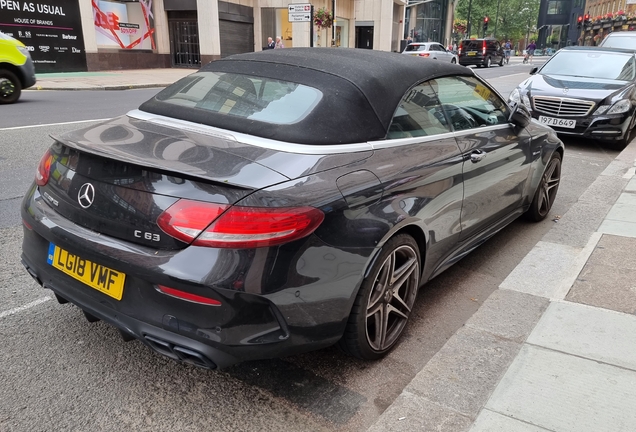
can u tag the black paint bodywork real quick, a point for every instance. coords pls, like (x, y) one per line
(276, 300)
(604, 127)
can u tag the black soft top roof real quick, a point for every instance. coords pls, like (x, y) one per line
(361, 90)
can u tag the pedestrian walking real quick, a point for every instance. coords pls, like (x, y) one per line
(270, 43)
(279, 43)
(530, 50)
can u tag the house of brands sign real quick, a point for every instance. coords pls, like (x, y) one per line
(51, 30)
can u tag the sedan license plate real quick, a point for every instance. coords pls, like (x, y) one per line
(564, 123)
(96, 276)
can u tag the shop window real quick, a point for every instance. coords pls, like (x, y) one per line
(558, 7)
(124, 24)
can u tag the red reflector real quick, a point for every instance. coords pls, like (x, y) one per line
(29, 227)
(172, 292)
(44, 169)
(252, 227)
(185, 219)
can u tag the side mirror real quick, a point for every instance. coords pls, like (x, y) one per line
(520, 116)
(534, 70)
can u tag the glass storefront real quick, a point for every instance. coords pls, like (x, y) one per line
(425, 22)
(275, 22)
(342, 32)
(124, 24)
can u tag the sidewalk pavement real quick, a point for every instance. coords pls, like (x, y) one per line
(553, 349)
(110, 80)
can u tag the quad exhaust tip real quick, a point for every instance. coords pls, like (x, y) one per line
(179, 353)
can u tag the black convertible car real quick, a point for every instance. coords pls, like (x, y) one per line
(283, 201)
(584, 91)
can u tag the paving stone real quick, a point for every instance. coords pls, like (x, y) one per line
(543, 270)
(465, 371)
(565, 393)
(631, 186)
(620, 228)
(489, 421)
(509, 314)
(617, 168)
(606, 287)
(624, 209)
(411, 412)
(605, 190)
(577, 225)
(590, 332)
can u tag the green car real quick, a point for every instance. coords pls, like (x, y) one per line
(16, 69)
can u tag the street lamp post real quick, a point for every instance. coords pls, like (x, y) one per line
(496, 19)
(470, 4)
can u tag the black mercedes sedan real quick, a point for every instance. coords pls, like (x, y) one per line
(584, 91)
(283, 201)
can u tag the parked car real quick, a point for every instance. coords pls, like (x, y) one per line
(620, 39)
(584, 91)
(480, 52)
(431, 50)
(16, 69)
(278, 202)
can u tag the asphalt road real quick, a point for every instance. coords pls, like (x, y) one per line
(58, 372)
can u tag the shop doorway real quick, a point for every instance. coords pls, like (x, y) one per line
(364, 37)
(184, 43)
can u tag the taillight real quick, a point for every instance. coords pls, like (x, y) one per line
(44, 169)
(483, 48)
(459, 49)
(238, 227)
(183, 295)
(424, 54)
(185, 220)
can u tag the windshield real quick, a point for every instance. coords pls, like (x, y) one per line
(627, 42)
(255, 98)
(592, 64)
(415, 48)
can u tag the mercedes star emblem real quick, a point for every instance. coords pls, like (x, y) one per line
(565, 90)
(86, 195)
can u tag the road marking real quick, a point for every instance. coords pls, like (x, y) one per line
(25, 307)
(511, 75)
(54, 124)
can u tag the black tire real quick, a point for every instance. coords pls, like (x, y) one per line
(389, 292)
(10, 87)
(488, 62)
(547, 190)
(621, 143)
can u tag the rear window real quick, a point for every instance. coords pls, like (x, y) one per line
(415, 48)
(473, 44)
(254, 98)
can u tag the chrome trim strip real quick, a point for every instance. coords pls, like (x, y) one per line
(238, 137)
(482, 129)
(579, 104)
(390, 143)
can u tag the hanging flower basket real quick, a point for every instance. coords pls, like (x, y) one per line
(323, 18)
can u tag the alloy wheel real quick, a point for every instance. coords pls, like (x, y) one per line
(549, 186)
(392, 297)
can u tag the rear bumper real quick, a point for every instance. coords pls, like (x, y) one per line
(300, 314)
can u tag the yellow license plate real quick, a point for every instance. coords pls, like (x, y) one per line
(96, 276)
(471, 53)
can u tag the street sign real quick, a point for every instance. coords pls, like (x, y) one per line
(299, 12)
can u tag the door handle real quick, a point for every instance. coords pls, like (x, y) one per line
(477, 156)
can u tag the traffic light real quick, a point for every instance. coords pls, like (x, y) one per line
(485, 27)
(579, 22)
(586, 19)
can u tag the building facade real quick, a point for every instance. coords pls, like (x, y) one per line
(92, 35)
(557, 23)
(606, 16)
